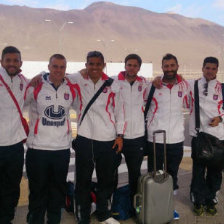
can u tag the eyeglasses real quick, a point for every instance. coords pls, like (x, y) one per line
(205, 92)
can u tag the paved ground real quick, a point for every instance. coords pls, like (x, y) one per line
(183, 204)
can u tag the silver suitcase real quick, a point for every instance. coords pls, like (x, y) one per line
(154, 199)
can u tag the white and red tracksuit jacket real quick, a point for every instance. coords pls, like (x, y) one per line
(105, 118)
(133, 96)
(210, 107)
(50, 127)
(12, 130)
(165, 112)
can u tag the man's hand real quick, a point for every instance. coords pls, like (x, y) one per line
(215, 121)
(36, 80)
(118, 144)
(157, 82)
(84, 73)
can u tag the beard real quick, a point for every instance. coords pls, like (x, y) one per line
(170, 75)
(13, 73)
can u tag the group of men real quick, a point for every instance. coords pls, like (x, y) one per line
(108, 125)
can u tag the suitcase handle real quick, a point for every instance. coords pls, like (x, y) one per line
(154, 151)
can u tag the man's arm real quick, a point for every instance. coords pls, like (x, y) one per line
(119, 117)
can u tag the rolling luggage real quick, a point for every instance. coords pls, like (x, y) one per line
(154, 199)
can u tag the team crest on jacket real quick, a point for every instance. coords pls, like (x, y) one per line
(21, 86)
(215, 97)
(139, 88)
(105, 90)
(180, 93)
(66, 96)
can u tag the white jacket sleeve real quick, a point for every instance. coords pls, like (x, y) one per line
(73, 77)
(28, 97)
(119, 112)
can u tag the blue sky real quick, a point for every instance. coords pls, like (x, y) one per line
(212, 10)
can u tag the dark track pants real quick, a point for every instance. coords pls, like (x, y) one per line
(11, 169)
(47, 172)
(92, 154)
(206, 180)
(134, 154)
(174, 157)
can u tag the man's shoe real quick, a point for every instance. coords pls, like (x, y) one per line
(211, 210)
(215, 200)
(176, 215)
(110, 221)
(198, 209)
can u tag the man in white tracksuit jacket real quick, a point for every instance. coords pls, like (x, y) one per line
(12, 133)
(99, 133)
(204, 184)
(132, 91)
(49, 142)
(165, 113)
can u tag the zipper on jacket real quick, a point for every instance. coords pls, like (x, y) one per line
(168, 135)
(11, 87)
(92, 115)
(131, 110)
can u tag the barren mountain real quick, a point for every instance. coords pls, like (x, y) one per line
(113, 29)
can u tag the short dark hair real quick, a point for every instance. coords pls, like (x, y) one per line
(169, 56)
(95, 54)
(133, 56)
(10, 50)
(212, 60)
(58, 56)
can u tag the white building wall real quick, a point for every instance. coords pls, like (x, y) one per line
(32, 68)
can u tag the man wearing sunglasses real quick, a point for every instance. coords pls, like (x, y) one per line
(206, 179)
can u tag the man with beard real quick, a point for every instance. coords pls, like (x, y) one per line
(165, 113)
(12, 132)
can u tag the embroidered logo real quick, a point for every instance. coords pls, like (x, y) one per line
(47, 98)
(180, 93)
(215, 97)
(55, 113)
(105, 90)
(139, 88)
(21, 86)
(66, 96)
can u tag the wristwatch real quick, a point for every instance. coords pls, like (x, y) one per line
(120, 135)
